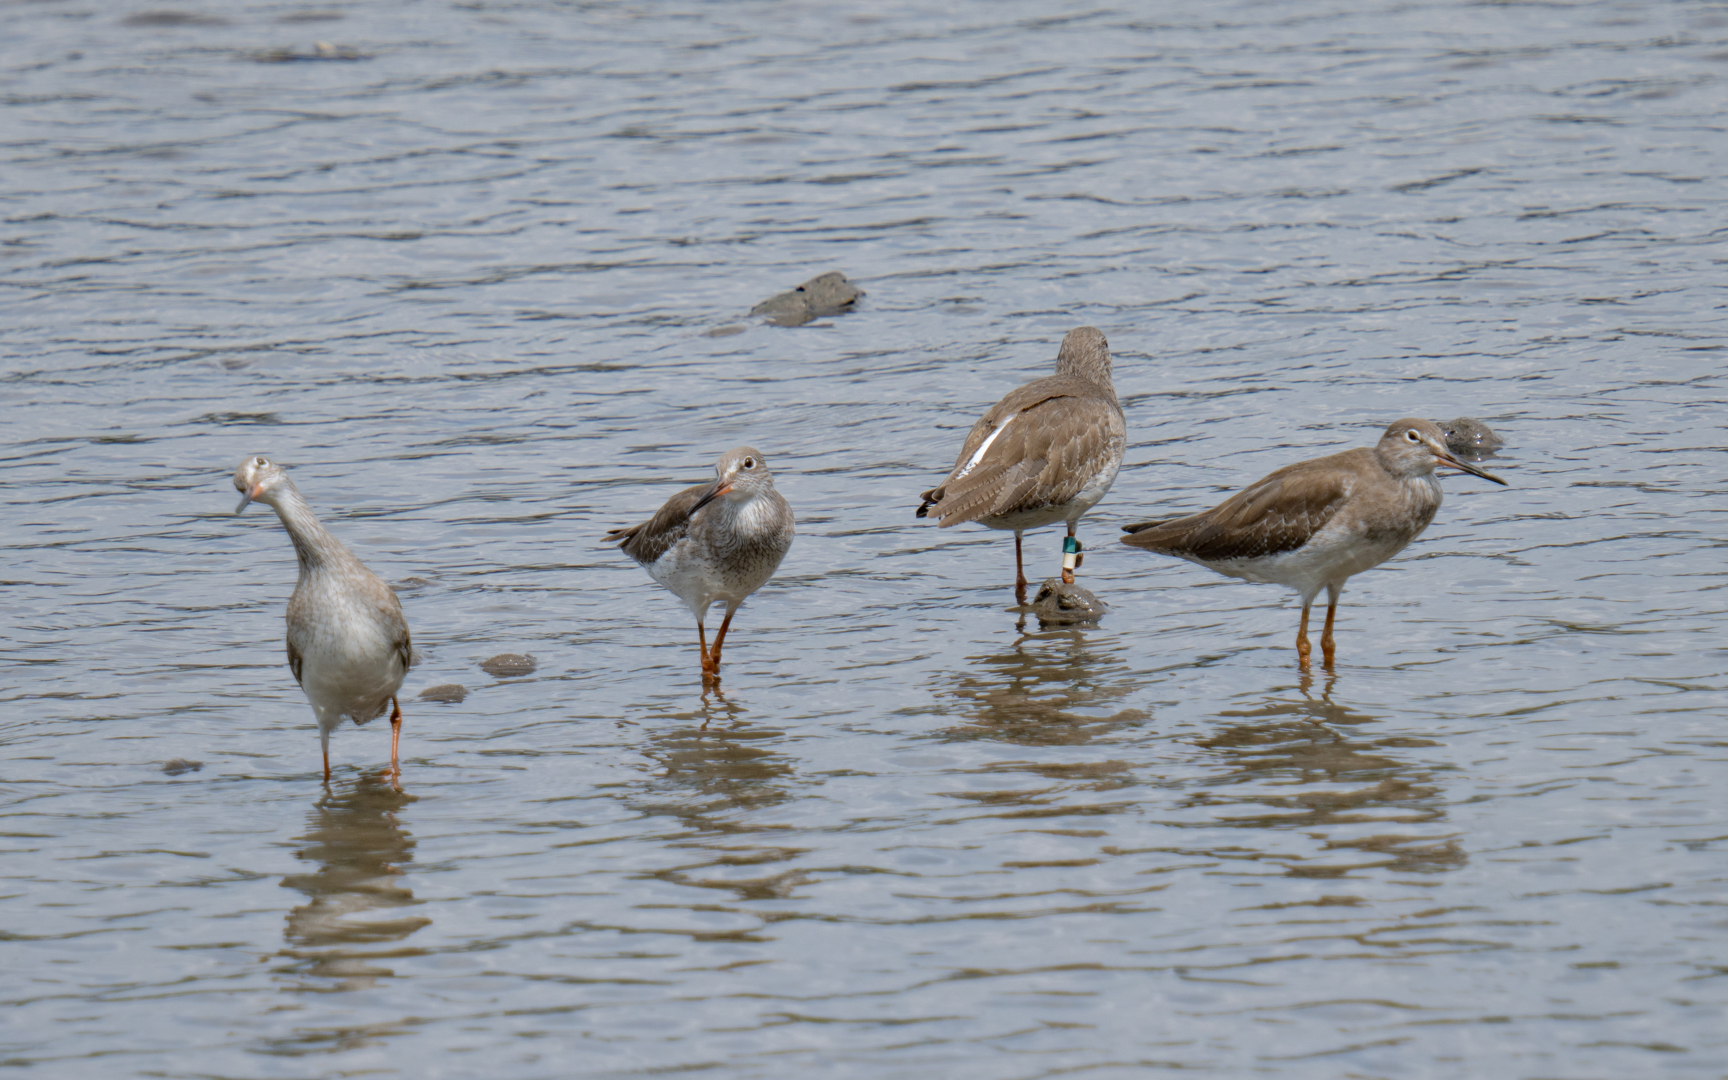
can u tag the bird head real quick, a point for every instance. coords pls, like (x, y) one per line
(258, 479)
(739, 476)
(1413, 447)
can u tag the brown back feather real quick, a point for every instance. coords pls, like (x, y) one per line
(1277, 513)
(1060, 437)
(648, 541)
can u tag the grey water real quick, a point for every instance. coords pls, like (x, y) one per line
(480, 275)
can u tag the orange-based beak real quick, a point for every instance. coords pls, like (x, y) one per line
(247, 495)
(1445, 458)
(720, 488)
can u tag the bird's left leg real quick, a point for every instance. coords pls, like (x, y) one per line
(395, 738)
(1070, 555)
(714, 653)
(1019, 573)
(1328, 649)
(1302, 647)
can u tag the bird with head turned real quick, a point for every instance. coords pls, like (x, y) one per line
(715, 543)
(348, 642)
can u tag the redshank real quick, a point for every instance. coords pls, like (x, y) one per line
(348, 643)
(715, 543)
(1045, 453)
(1313, 524)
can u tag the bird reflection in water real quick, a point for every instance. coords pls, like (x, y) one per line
(355, 837)
(714, 767)
(1297, 762)
(1052, 688)
(713, 752)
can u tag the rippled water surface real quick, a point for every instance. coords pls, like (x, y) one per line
(480, 274)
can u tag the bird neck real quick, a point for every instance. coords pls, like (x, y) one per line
(315, 547)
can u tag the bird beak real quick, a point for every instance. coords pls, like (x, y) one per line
(248, 495)
(1445, 458)
(720, 488)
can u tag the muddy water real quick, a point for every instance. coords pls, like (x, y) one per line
(480, 275)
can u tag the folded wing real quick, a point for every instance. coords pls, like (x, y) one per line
(1040, 446)
(1276, 514)
(653, 538)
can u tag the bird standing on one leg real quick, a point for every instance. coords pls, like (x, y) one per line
(1313, 524)
(715, 543)
(1045, 453)
(348, 643)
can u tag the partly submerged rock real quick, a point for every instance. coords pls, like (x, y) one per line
(1470, 439)
(1065, 605)
(825, 294)
(322, 50)
(176, 766)
(449, 692)
(506, 665)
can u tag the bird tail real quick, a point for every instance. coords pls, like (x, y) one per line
(931, 498)
(1142, 526)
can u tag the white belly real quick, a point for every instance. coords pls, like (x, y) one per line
(353, 676)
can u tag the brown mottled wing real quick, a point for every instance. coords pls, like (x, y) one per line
(1060, 433)
(1276, 514)
(648, 541)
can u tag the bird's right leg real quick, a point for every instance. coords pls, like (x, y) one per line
(395, 738)
(324, 738)
(702, 640)
(1019, 573)
(1302, 646)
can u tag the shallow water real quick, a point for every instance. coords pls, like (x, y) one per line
(480, 275)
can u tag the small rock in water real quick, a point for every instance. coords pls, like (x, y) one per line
(825, 294)
(448, 692)
(176, 766)
(322, 50)
(1064, 605)
(507, 664)
(1470, 439)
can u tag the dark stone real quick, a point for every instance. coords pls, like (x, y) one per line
(449, 692)
(322, 50)
(825, 294)
(176, 766)
(172, 18)
(1065, 605)
(506, 665)
(1470, 439)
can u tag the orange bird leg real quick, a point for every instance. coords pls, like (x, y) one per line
(1302, 646)
(702, 639)
(1327, 649)
(1019, 573)
(395, 738)
(719, 639)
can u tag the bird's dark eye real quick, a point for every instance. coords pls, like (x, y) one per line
(1412, 436)
(260, 462)
(749, 463)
